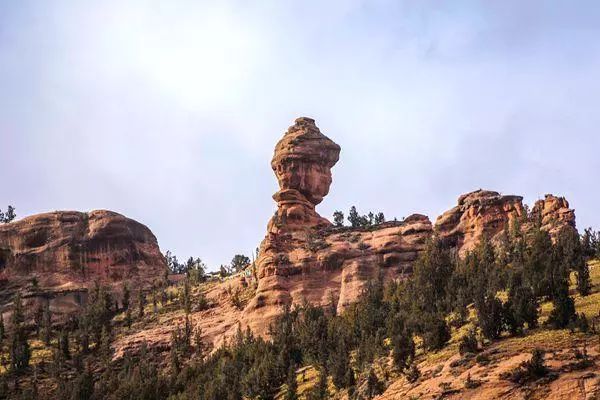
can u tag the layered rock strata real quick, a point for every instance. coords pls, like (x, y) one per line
(65, 252)
(304, 258)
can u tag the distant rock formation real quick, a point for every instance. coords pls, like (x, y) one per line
(553, 213)
(63, 252)
(486, 213)
(477, 214)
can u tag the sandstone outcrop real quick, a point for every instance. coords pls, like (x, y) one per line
(60, 253)
(303, 257)
(553, 213)
(487, 213)
(477, 214)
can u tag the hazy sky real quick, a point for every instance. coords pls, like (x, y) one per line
(168, 111)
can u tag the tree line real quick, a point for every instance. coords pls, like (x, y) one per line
(356, 220)
(195, 268)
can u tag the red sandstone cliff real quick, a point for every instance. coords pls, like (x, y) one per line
(303, 258)
(68, 251)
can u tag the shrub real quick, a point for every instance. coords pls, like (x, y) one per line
(468, 343)
(471, 383)
(527, 371)
(413, 374)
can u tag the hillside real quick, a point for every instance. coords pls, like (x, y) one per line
(493, 300)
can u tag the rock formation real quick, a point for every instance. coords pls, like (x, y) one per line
(65, 252)
(486, 213)
(477, 214)
(553, 213)
(303, 257)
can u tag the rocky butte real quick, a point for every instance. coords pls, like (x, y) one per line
(305, 258)
(58, 255)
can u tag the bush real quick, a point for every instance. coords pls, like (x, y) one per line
(527, 371)
(468, 343)
(471, 383)
(413, 374)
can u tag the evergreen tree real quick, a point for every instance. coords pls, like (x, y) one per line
(141, 303)
(338, 218)
(573, 258)
(126, 296)
(563, 312)
(374, 385)
(320, 390)
(521, 307)
(9, 216)
(354, 217)
(339, 362)
(187, 297)
(2, 329)
(83, 386)
(63, 344)
(20, 352)
(239, 262)
(379, 218)
(47, 324)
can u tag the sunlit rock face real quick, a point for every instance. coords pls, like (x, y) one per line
(477, 214)
(553, 214)
(303, 257)
(67, 252)
(485, 213)
(302, 163)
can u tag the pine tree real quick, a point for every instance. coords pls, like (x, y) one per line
(354, 218)
(379, 218)
(83, 386)
(339, 362)
(47, 324)
(20, 352)
(187, 299)
(126, 297)
(141, 303)
(320, 390)
(338, 218)
(63, 344)
(374, 385)
(563, 312)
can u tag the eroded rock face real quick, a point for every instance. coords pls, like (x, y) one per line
(477, 214)
(487, 213)
(303, 257)
(68, 251)
(302, 162)
(554, 213)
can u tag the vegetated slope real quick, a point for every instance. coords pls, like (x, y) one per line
(572, 357)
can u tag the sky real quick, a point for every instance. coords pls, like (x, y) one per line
(168, 111)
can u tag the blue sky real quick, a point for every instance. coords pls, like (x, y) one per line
(168, 112)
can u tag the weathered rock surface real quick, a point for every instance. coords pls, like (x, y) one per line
(66, 252)
(477, 214)
(487, 213)
(553, 213)
(303, 257)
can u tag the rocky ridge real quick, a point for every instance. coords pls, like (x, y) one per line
(55, 255)
(304, 258)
